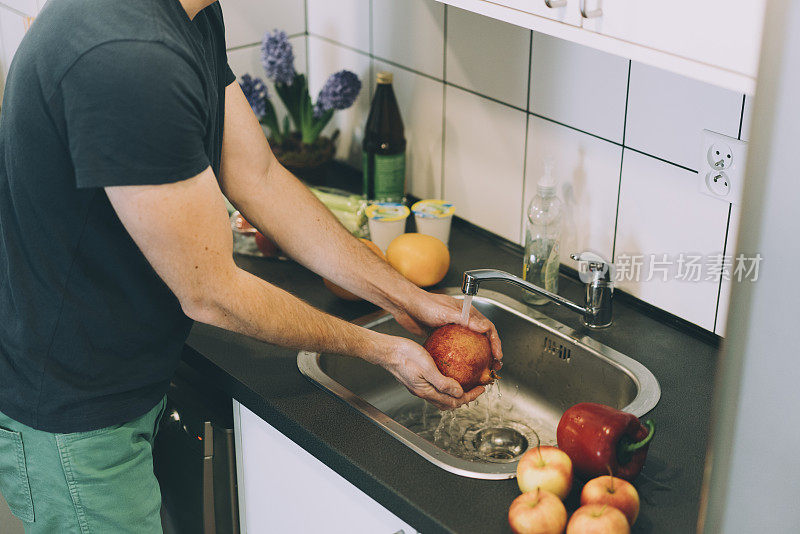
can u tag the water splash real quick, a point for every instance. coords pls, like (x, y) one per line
(452, 430)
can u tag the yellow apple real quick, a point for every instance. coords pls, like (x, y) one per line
(537, 512)
(545, 467)
(614, 492)
(598, 519)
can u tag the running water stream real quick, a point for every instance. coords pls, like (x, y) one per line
(465, 308)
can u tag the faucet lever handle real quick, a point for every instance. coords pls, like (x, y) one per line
(593, 264)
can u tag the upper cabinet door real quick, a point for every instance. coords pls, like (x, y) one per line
(723, 33)
(561, 10)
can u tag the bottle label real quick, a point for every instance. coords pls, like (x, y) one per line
(390, 177)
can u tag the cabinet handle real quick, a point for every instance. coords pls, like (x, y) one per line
(555, 3)
(594, 13)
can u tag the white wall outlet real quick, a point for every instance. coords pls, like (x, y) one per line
(722, 166)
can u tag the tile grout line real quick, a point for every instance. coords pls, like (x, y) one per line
(621, 161)
(497, 101)
(258, 43)
(522, 232)
(661, 159)
(724, 250)
(14, 10)
(741, 119)
(307, 40)
(444, 102)
(372, 73)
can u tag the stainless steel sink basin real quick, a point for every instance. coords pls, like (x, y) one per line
(547, 368)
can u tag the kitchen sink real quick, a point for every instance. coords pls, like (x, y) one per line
(547, 367)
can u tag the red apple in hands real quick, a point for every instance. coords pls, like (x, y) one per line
(537, 512)
(614, 492)
(598, 519)
(545, 467)
(462, 354)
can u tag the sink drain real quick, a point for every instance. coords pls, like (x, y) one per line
(499, 444)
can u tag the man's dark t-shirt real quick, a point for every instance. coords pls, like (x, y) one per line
(100, 93)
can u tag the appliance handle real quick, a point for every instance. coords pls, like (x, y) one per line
(209, 517)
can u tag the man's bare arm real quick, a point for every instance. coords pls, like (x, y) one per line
(194, 258)
(279, 205)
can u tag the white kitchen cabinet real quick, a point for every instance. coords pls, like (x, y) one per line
(561, 10)
(715, 41)
(724, 33)
(283, 488)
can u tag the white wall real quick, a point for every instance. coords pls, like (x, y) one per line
(754, 477)
(485, 103)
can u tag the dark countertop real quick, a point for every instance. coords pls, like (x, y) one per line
(266, 380)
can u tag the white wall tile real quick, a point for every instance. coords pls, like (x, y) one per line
(488, 56)
(661, 211)
(587, 171)
(246, 20)
(248, 61)
(344, 21)
(579, 86)
(26, 7)
(668, 112)
(747, 117)
(325, 59)
(484, 153)
(420, 100)
(410, 33)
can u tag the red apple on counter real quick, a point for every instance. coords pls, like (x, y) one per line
(545, 467)
(598, 519)
(462, 355)
(537, 512)
(266, 246)
(614, 492)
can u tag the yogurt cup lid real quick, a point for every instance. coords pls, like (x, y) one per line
(434, 209)
(387, 211)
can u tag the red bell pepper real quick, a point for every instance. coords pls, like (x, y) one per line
(599, 439)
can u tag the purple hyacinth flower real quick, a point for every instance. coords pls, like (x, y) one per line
(277, 57)
(256, 93)
(339, 92)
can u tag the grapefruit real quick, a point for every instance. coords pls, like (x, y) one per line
(422, 259)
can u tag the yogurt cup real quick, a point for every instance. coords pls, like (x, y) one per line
(387, 221)
(433, 217)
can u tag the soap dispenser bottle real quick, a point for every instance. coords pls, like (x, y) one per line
(542, 236)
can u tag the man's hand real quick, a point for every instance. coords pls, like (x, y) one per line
(414, 368)
(432, 310)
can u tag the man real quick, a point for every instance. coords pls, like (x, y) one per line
(114, 237)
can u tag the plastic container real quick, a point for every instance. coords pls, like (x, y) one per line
(387, 221)
(433, 218)
(542, 238)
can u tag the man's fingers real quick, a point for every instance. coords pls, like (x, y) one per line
(472, 394)
(446, 385)
(479, 323)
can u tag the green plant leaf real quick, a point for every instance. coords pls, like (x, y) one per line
(291, 96)
(320, 124)
(270, 120)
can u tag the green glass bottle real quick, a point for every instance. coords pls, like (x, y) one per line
(384, 155)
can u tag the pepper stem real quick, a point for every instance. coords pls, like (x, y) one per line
(629, 448)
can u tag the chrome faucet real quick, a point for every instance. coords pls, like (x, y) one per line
(596, 311)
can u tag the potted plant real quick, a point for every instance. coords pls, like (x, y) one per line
(297, 141)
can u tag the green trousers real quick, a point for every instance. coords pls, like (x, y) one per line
(100, 481)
